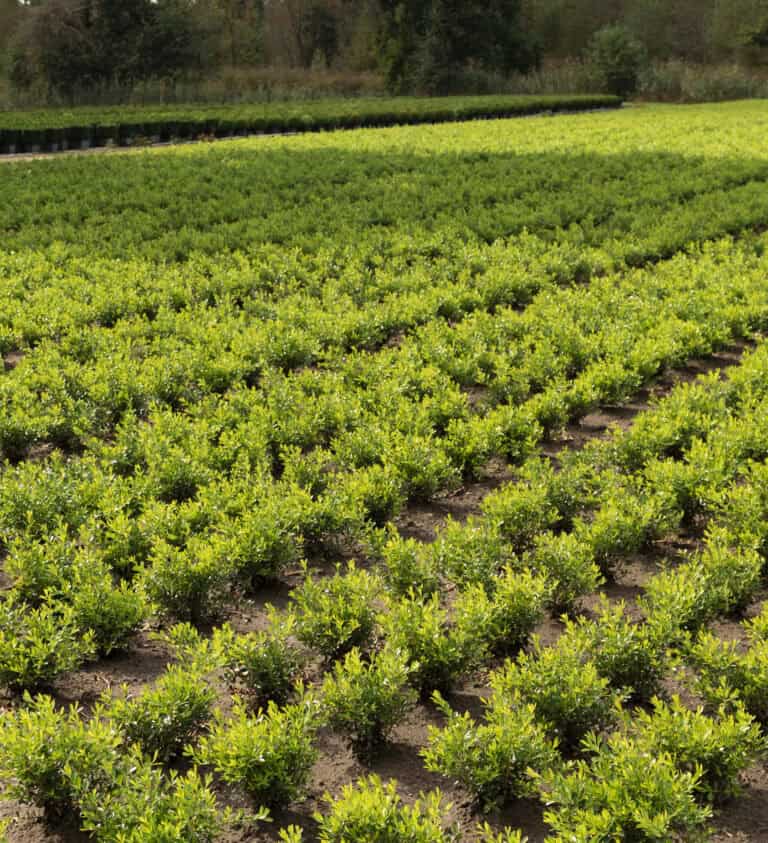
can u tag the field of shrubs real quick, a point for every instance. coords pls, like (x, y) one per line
(391, 485)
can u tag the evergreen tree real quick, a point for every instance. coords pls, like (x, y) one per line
(429, 43)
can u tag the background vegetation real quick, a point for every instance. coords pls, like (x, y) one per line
(99, 51)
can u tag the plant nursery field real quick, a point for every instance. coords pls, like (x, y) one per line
(393, 485)
(58, 129)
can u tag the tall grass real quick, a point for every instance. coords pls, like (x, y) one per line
(661, 81)
(679, 81)
(229, 85)
(570, 76)
(668, 81)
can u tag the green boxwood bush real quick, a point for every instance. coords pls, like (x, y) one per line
(336, 614)
(270, 753)
(373, 812)
(623, 792)
(492, 760)
(365, 699)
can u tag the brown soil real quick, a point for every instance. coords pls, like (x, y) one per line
(29, 826)
(12, 360)
(421, 521)
(134, 671)
(745, 819)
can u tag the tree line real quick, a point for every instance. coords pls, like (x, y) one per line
(417, 45)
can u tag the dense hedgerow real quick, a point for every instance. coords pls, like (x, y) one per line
(99, 125)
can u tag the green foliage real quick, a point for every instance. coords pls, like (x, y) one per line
(623, 793)
(493, 760)
(520, 513)
(717, 748)
(187, 583)
(720, 580)
(125, 122)
(112, 613)
(50, 758)
(619, 58)
(489, 835)
(37, 500)
(503, 620)
(336, 614)
(238, 380)
(39, 644)
(270, 754)
(407, 565)
(565, 689)
(625, 523)
(194, 652)
(164, 719)
(569, 564)
(36, 566)
(729, 677)
(429, 44)
(373, 812)
(423, 466)
(633, 656)
(757, 627)
(438, 652)
(263, 543)
(682, 81)
(365, 700)
(470, 553)
(150, 41)
(266, 664)
(379, 491)
(143, 804)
